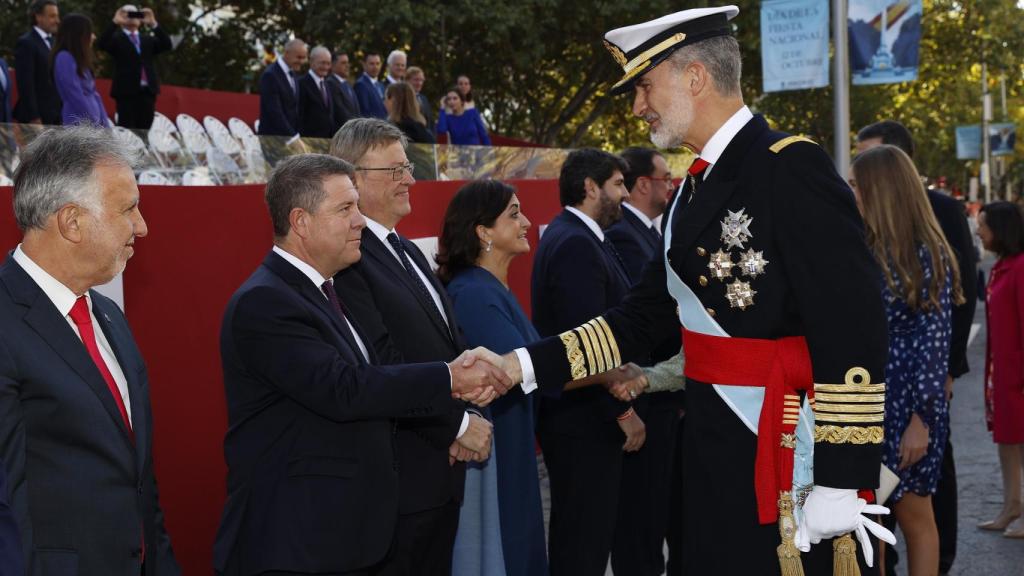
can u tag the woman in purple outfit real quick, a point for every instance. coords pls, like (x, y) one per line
(73, 72)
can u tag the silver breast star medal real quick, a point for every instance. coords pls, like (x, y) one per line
(752, 263)
(740, 294)
(736, 229)
(720, 265)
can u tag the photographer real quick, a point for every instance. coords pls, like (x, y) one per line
(135, 83)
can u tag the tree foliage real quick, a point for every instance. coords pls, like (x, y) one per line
(540, 71)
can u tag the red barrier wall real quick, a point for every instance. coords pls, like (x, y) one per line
(203, 243)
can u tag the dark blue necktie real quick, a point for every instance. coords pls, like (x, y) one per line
(417, 281)
(619, 263)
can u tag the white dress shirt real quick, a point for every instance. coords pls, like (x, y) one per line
(318, 281)
(589, 222)
(44, 35)
(287, 71)
(723, 136)
(643, 217)
(64, 299)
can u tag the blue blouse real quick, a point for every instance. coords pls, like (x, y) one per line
(490, 316)
(465, 130)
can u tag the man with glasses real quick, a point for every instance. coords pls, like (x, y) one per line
(651, 490)
(407, 317)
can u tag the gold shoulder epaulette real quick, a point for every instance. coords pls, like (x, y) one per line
(778, 146)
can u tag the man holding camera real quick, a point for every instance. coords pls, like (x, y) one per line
(135, 83)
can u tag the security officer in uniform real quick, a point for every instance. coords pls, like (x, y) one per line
(766, 269)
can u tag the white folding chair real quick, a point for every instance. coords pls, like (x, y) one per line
(221, 137)
(163, 124)
(130, 138)
(152, 177)
(197, 177)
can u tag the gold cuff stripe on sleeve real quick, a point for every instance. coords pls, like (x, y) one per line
(848, 434)
(849, 418)
(850, 388)
(601, 342)
(849, 408)
(843, 398)
(574, 355)
(611, 340)
(594, 361)
(600, 349)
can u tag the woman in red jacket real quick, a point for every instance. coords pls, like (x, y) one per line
(1001, 229)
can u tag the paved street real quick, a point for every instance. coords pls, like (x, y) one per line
(980, 485)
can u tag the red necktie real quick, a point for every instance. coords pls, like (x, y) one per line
(698, 166)
(80, 314)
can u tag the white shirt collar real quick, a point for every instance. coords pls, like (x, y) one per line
(643, 217)
(588, 221)
(316, 78)
(303, 267)
(372, 79)
(720, 140)
(61, 296)
(378, 230)
(340, 79)
(42, 33)
(284, 66)
(129, 32)
(392, 79)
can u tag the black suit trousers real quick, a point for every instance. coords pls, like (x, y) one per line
(423, 543)
(585, 475)
(136, 112)
(645, 491)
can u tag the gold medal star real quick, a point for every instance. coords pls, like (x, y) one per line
(752, 263)
(720, 265)
(740, 294)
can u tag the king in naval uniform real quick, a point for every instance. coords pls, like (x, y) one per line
(766, 269)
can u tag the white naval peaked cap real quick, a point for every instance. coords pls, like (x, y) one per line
(641, 47)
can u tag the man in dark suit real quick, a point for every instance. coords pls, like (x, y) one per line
(5, 93)
(76, 433)
(369, 90)
(279, 100)
(136, 84)
(406, 313)
(312, 472)
(346, 106)
(577, 273)
(953, 221)
(38, 101)
(316, 104)
(650, 500)
(12, 563)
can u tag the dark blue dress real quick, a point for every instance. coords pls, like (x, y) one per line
(915, 377)
(466, 129)
(490, 316)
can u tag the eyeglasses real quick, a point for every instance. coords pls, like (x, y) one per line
(397, 172)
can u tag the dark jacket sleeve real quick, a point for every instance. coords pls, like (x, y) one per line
(11, 561)
(954, 226)
(273, 119)
(836, 285)
(107, 42)
(272, 338)
(24, 63)
(162, 41)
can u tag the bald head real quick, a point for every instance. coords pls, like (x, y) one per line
(296, 52)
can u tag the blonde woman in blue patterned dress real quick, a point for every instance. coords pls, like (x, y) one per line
(919, 285)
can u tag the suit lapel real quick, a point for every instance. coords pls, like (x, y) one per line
(420, 261)
(376, 249)
(44, 318)
(613, 262)
(137, 395)
(640, 228)
(314, 296)
(716, 191)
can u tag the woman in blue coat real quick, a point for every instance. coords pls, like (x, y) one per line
(463, 125)
(73, 73)
(501, 525)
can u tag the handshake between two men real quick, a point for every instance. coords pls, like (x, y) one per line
(479, 376)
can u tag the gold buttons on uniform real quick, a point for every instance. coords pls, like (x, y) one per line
(711, 312)
(701, 251)
(703, 281)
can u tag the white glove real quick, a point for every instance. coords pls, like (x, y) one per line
(831, 512)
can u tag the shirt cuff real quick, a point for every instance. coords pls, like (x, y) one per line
(526, 365)
(463, 426)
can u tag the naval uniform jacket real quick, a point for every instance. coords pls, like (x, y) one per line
(818, 279)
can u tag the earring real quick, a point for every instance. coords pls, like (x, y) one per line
(489, 244)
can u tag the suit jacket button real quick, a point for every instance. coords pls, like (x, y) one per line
(703, 281)
(701, 251)
(140, 488)
(711, 312)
